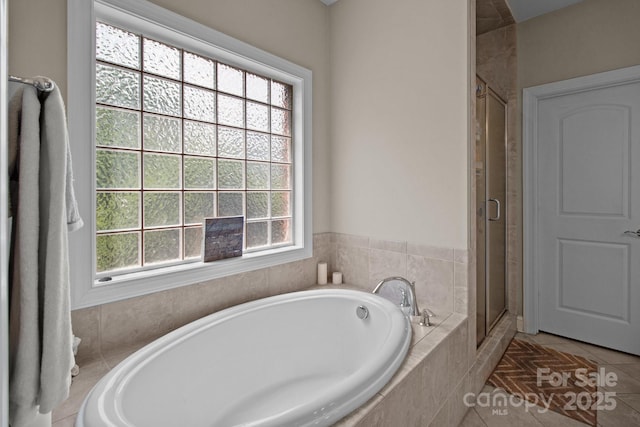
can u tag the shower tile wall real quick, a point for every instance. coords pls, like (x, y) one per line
(497, 65)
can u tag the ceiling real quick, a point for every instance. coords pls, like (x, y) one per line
(521, 10)
(527, 9)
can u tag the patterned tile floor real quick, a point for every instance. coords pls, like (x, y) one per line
(489, 412)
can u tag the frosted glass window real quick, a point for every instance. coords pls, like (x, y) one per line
(257, 146)
(257, 117)
(162, 96)
(117, 86)
(117, 46)
(280, 149)
(117, 251)
(193, 242)
(230, 111)
(230, 142)
(161, 246)
(162, 171)
(230, 204)
(230, 175)
(281, 95)
(257, 205)
(181, 137)
(117, 128)
(161, 209)
(199, 104)
(280, 122)
(230, 80)
(162, 133)
(199, 71)
(199, 138)
(257, 234)
(117, 169)
(198, 206)
(162, 59)
(257, 88)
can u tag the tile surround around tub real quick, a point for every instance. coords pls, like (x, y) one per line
(440, 274)
(112, 331)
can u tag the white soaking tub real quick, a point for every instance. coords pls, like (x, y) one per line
(300, 359)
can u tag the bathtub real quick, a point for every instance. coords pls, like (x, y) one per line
(301, 359)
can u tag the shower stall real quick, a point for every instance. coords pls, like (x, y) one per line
(491, 189)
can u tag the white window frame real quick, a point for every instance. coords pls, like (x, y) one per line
(170, 27)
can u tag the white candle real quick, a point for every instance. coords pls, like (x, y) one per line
(337, 278)
(322, 273)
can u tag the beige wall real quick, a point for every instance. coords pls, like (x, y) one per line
(296, 30)
(399, 114)
(590, 37)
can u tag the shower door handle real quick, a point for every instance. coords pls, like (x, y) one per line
(497, 217)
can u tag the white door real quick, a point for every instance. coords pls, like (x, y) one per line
(588, 195)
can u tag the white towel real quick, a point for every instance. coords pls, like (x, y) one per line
(41, 341)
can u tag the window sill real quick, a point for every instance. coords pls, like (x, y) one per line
(160, 279)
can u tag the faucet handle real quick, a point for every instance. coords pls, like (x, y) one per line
(426, 318)
(405, 299)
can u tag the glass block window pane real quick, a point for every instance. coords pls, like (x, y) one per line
(117, 211)
(281, 95)
(117, 86)
(230, 142)
(230, 80)
(199, 71)
(199, 104)
(117, 46)
(162, 209)
(280, 149)
(230, 111)
(193, 242)
(257, 117)
(162, 59)
(281, 122)
(162, 134)
(117, 251)
(117, 128)
(257, 234)
(257, 176)
(162, 171)
(280, 203)
(199, 173)
(257, 205)
(198, 206)
(162, 246)
(257, 146)
(199, 138)
(230, 175)
(230, 204)
(117, 169)
(280, 177)
(257, 88)
(281, 231)
(162, 96)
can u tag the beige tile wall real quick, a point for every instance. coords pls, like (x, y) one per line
(440, 274)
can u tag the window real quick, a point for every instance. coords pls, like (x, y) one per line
(186, 123)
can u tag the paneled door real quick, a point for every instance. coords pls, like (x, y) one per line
(588, 213)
